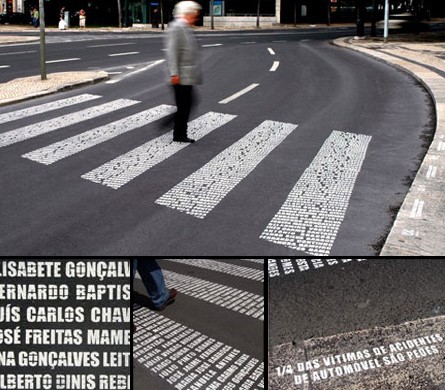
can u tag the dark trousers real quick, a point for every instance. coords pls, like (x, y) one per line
(184, 103)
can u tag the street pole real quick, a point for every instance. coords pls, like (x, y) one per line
(329, 12)
(119, 12)
(42, 41)
(373, 21)
(258, 14)
(212, 15)
(386, 27)
(162, 15)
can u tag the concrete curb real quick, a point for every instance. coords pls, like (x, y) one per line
(415, 373)
(63, 86)
(419, 228)
(14, 40)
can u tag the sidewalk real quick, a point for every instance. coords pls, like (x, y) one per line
(419, 229)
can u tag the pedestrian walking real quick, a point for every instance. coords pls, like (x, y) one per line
(154, 283)
(82, 18)
(184, 64)
(35, 17)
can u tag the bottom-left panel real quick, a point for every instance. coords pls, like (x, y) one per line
(65, 324)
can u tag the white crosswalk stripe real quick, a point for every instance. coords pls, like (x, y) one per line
(47, 107)
(123, 169)
(315, 208)
(31, 131)
(283, 267)
(59, 150)
(230, 269)
(203, 190)
(186, 358)
(309, 218)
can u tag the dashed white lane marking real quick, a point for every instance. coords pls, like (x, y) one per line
(230, 298)
(60, 150)
(275, 66)
(63, 60)
(238, 94)
(290, 266)
(18, 52)
(129, 74)
(213, 45)
(271, 51)
(312, 214)
(188, 359)
(225, 268)
(4, 66)
(125, 168)
(247, 43)
(130, 53)
(111, 45)
(26, 112)
(31, 131)
(416, 211)
(203, 190)
(279, 41)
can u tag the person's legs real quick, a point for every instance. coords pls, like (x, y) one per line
(154, 282)
(183, 97)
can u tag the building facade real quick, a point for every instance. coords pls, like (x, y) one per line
(105, 12)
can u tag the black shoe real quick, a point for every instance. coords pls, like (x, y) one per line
(183, 139)
(171, 298)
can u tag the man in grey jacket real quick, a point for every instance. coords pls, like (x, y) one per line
(183, 63)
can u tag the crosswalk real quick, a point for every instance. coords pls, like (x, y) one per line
(283, 267)
(186, 354)
(310, 216)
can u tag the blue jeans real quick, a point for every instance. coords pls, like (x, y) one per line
(153, 280)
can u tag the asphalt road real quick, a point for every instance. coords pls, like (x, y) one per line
(320, 308)
(337, 139)
(212, 334)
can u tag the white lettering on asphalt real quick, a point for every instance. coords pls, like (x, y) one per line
(377, 357)
(283, 267)
(202, 191)
(125, 168)
(312, 214)
(225, 268)
(43, 108)
(188, 359)
(234, 299)
(59, 150)
(238, 94)
(31, 131)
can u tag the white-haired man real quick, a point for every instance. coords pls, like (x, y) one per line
(183, 63)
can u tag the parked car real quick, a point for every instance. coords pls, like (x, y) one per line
(15, 18)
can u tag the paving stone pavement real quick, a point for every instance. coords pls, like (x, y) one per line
(419, 227)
